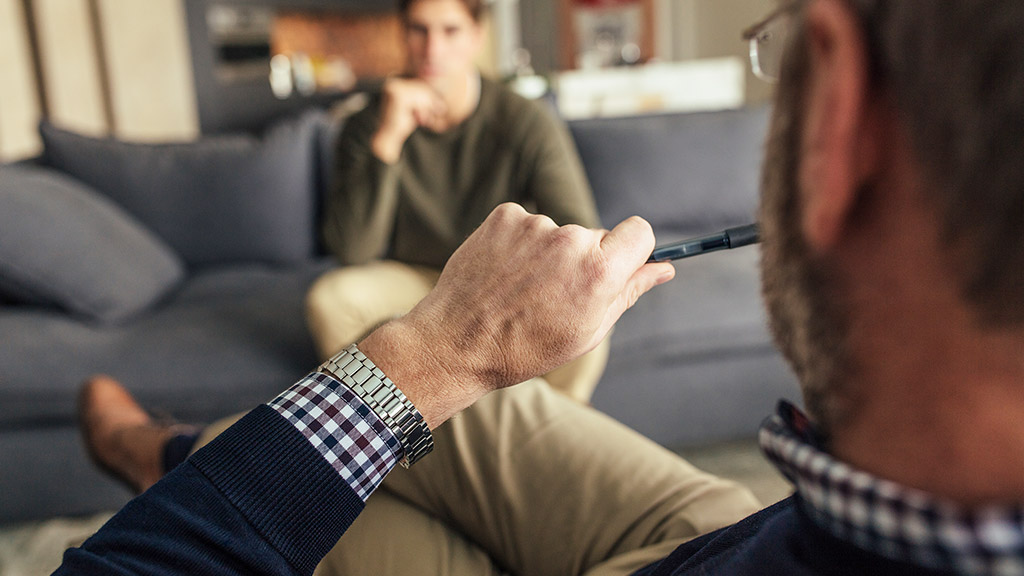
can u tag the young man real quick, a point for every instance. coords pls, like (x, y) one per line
(420, 169)
(893, 224)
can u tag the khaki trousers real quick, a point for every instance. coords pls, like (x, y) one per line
(527, 482)
(347, 303)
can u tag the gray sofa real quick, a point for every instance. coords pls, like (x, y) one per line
(181, 269)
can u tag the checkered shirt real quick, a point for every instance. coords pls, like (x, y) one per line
(888, 519)
(346, 432)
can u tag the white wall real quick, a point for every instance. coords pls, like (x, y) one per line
(686, 30)
(712, 28)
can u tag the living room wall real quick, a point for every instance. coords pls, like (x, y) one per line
(686, 30)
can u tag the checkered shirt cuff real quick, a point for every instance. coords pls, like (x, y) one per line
(343, 429)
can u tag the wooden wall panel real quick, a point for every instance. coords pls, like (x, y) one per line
(19, 108)
(719, 25)
(70, 69)
(150, 69)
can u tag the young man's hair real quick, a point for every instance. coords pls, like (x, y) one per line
(477, 8)
(955, 72)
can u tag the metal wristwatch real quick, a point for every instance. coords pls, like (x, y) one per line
(355, 370)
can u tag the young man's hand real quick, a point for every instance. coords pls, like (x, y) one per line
(520, 297)
(406, 105)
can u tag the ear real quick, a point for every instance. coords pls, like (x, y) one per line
(841, 140)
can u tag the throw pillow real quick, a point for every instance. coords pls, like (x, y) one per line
(219, 199)
(63, 244)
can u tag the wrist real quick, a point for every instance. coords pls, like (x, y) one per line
(387, 146)
(430, 373)
(360, 375)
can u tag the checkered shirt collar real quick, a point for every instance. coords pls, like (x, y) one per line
(885, 518)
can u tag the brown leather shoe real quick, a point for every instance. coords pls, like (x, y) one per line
(122, 438)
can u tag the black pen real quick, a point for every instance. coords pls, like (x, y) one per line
(728, 238)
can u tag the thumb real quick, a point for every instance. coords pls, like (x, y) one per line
(629, 244)
(627, 248)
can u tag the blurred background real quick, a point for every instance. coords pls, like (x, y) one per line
(171, 70)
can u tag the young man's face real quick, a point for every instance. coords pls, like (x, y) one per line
(443, 41)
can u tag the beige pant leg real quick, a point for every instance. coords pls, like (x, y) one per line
(394, 538)
(549, 487)
(214, 430)
(344, 304)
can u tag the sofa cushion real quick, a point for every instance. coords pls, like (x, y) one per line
(63, 244)
(684, 173)
(227, 340)
(220, 199)
(693, 360)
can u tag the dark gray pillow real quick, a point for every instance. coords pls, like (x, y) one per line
(63, 244)
(220, 199)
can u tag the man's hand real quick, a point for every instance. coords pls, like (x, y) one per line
(521, 296)
(406, 105)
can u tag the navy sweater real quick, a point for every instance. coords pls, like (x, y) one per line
(777, 541)
(259, 499)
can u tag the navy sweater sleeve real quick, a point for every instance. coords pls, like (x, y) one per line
(259, 499)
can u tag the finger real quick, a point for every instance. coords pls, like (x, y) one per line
(428, 115)
(646, 277)
(439, 105)
(421, 117)
(631, 242)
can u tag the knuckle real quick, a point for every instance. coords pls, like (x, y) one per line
(505, 211)
(566, 237)
(544, 221)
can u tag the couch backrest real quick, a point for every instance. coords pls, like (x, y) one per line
(685, 173)
(232, 198)
(244, 198)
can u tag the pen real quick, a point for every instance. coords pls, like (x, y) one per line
(728, 238)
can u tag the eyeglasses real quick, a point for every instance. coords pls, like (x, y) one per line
(767, 41)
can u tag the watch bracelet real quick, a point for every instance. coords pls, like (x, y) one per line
(359, 373)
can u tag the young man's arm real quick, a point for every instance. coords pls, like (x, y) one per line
(360, 207)
(274, 493)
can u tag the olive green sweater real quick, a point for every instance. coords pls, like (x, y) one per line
(420, 209)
